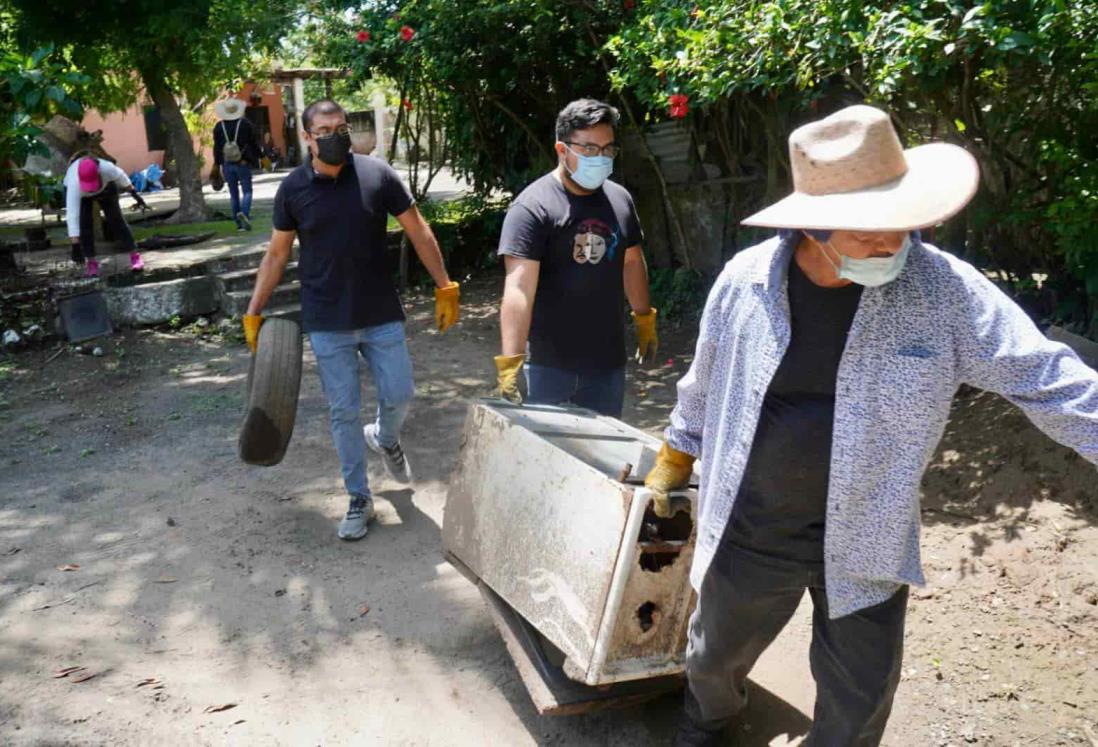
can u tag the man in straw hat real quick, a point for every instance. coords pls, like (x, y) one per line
(825, 366)
(236, 153)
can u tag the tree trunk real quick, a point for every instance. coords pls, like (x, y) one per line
(192, 204)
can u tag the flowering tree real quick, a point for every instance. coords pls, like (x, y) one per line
(1012, 82)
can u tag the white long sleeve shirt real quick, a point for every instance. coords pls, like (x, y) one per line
(108, 173)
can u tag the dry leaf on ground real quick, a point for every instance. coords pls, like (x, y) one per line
(67, 671)
(218, 708)
(83, 676)
(165, 580)
(155, 683)
(69, 567)
(363, 610)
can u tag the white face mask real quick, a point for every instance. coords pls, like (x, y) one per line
(870, 271)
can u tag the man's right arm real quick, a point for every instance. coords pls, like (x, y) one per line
(271, 269)
(517, 308)
(683, 437)
(684, 433)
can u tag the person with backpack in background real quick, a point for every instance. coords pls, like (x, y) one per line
(236, 153)
(337, 205)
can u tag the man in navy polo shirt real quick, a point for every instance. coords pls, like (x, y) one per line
(349, 305)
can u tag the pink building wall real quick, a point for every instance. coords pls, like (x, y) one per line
(124, 137)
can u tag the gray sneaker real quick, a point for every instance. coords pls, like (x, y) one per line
(244, 221)
(359, 513)
(396, 463)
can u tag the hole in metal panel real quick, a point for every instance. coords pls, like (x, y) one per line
(648, 615)
(654, 562)
(675, 529)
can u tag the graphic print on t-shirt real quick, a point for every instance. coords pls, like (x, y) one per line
(594, 240)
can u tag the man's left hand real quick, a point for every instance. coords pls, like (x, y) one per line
(446, 306)
(647, 342)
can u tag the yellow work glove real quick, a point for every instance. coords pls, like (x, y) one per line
(647, 342)
(446, 306)
(672, 472)
(252, 323)
(507, 371)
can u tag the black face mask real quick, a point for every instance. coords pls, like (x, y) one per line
(333, 149)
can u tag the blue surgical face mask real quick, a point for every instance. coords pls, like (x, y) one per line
(591, 171)
(870, 271)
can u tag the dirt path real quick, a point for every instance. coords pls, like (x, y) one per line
(226, 585)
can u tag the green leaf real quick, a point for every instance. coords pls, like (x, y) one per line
(973, 15)
(40, 54)
(1015, 40)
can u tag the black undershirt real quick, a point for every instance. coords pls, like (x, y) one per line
(782, 503)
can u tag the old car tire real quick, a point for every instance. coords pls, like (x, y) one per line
(273, 385)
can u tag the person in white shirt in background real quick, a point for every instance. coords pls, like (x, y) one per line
(87, 181)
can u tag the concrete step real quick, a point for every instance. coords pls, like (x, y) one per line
(237, 280)
(244, 261)
(231, 263)
(236, 302)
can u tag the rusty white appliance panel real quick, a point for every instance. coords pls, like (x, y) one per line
(543, 508)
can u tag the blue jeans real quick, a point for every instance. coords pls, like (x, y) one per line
(602, 391)
(238, 176)
(385, 351)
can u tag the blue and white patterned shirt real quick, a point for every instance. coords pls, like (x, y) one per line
(912, 343)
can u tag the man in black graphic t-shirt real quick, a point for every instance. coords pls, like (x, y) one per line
(571, 246)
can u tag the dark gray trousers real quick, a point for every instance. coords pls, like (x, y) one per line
(745, 601)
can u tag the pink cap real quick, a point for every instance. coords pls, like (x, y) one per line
(88, 171)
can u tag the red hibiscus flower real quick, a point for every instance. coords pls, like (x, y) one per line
(363, 36)
(407, 32)
(407, 104)
(679, 104)
(629, 4)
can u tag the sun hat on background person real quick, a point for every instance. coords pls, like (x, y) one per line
(230, 109)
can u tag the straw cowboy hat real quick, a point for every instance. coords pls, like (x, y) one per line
(850, 172)
(229, 109)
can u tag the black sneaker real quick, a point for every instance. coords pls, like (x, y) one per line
(396, 463)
